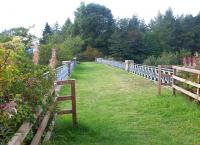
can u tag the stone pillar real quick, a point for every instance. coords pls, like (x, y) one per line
(128, 64)
(35, 54)
(75, 61)
(53, 60)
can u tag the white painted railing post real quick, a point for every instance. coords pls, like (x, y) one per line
(128, 64)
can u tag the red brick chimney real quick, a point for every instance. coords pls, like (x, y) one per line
(53, 60)
(35, 54)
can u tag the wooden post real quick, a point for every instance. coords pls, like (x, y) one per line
(159, 80)
(69, 68)
(72, 97)
(173, 82)
(198, 81)
(73, 94)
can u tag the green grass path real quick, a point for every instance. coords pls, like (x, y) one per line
(119, 108)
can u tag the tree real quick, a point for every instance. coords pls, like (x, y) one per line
(56, 28)
(163, 27)
(94, 23)
(21, 32)
(46, 34)
(127, 41)
(67, 28)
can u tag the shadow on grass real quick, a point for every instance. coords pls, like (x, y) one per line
(66, 134)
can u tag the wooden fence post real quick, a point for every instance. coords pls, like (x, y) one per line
(198, 81)
(173, 82)
(73, 93)
(159, 80)
(69, 68)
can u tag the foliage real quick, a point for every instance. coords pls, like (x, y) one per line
(45, 54)
(94, 23)
(127, 40)
(21, 32)
(175, 33)
(167, 58)
(151, 60)
(8, 70)
(91, 53)
(20, 82)
(46, 34)
(66, 48)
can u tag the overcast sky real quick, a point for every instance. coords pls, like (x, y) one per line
(15, 13)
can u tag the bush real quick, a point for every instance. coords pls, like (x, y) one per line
(91, 53)
(21, 83)
(151, 60)
(167, 58)
(66, 50)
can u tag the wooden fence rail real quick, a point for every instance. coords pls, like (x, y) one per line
(25, 128)
(176, 78)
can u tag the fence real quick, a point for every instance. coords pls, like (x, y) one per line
(118, 64)
(62, 73)
(148, 72)
(163, 75)
(195, 84)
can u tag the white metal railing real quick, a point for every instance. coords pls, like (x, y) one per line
(148, 72)
(63, 72)
(118, 64)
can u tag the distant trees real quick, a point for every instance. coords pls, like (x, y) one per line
(174, 35)
(126, 38)
(67, 46)
(95, 32)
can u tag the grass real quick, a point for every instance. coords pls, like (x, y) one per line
(119, 108)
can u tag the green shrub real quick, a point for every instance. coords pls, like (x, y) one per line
(91, 53)
(151, 60)
(22, 83)
(167, 58)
